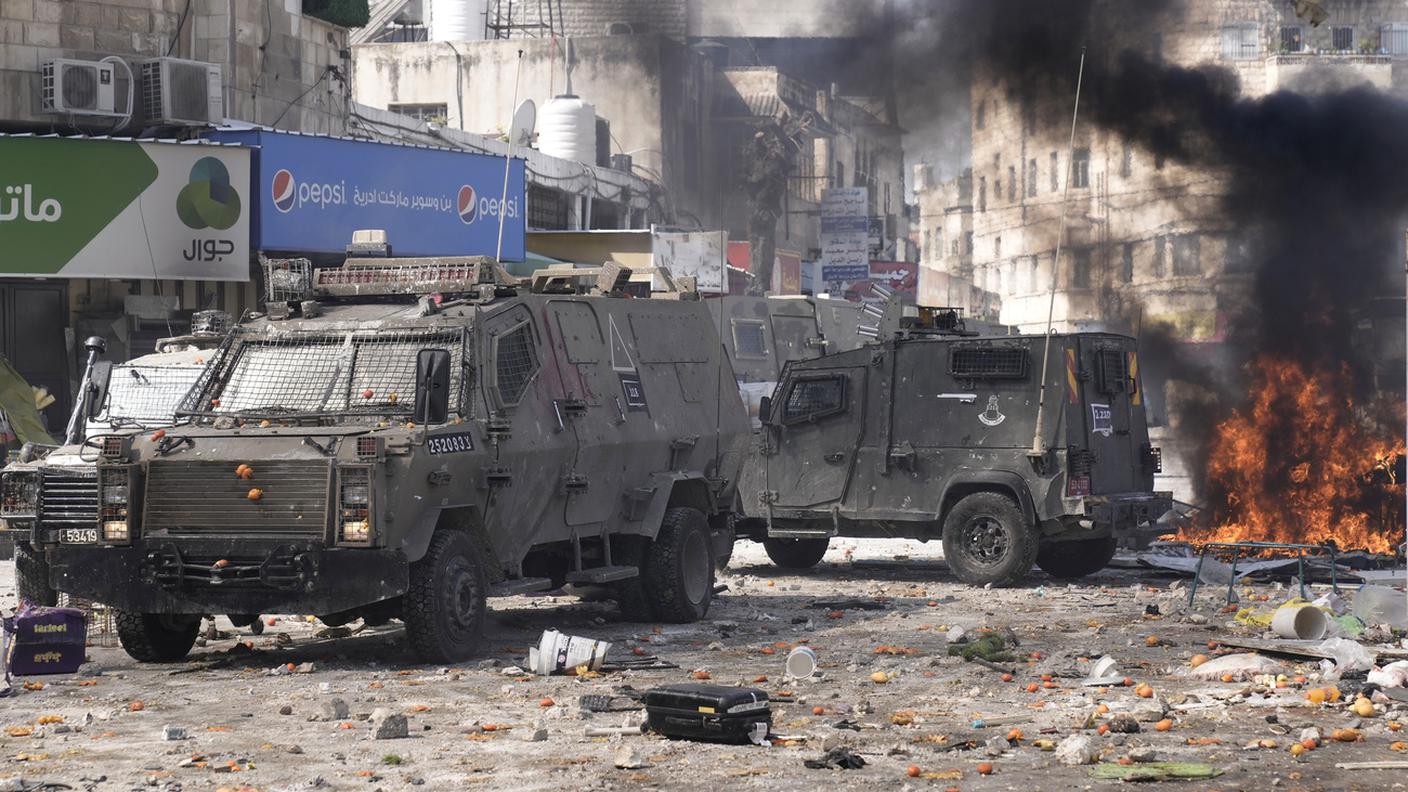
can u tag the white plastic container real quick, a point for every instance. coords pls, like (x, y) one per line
(801, 663)
(567, 129)
(557, 653)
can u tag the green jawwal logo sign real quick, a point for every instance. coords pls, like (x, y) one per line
(85, 208)
(208, 201)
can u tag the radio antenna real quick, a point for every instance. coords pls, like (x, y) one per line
(1038, 444)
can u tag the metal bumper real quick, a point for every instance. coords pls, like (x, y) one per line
(156, 576)
(1133, 517)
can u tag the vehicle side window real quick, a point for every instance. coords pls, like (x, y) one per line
(813, 398)
(1112, 376)
(515, 363)
(987, 361)
(748, 339)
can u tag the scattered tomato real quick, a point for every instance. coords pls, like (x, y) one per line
(985, 768)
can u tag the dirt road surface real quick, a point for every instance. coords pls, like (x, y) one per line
(250, 723)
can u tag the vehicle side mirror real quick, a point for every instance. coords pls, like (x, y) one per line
(765, 410)
(98, 388)
(432, 387)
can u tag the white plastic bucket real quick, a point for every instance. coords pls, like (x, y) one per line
(801, 663)
(557, 653)
(1303, 622)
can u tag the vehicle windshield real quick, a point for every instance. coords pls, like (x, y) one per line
(145, 395)
(318, 373)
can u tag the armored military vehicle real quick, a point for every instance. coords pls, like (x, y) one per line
(51, 492)
(929, 435)
(400, 438)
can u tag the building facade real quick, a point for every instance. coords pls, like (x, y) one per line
(1146, 240)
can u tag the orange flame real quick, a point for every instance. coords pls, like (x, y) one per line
(1304, 464)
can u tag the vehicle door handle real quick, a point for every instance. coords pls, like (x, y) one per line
(834, 457)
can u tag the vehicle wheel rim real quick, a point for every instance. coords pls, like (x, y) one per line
(462, 598)
(985, 541)
(696, 560)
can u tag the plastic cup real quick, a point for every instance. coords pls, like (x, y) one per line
(801, 663)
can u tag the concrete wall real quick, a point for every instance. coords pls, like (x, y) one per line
(653, 91)
(259, 84)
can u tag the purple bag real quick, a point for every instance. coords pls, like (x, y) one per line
(45, 641)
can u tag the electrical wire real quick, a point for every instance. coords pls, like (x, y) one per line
(306, 91)
(180, 23)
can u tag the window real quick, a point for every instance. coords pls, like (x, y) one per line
(987, 361)
(1032, 263)
(997, 177)
(813, 398)
(1010, 282)
(1241, 41)
(1111, 376)
(1238, 255)
(838, 176)
(1127, 161)
(749, 340)
(1292, 38)
(938, 242)
(425, 113)
(1394, 38)
(515, 364)
(1080, 165)
(1342, 38)
(1080, 268)
(1187, 251)
(997, 247)
(1160, 252)
(1055, 171)
(887, 198)
(1127, 263)
(981, 119)
(547, 208)
(1011, 183)
(982, 193)
(968, 243)
(1031, 179)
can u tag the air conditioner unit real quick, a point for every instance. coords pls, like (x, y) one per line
(78, 87)
(176, 91)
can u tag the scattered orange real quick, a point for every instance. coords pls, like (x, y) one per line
(1197, 660)
(136, 706)
(1144, 691)
(1015, 735)
(985, 768)
(547, 702)
(912, 771)
(818, 710)
(1152, 640)
(1007, 677)
(1163, 725)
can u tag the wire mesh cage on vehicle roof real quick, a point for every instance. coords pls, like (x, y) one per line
(322, 372)
(146, 395)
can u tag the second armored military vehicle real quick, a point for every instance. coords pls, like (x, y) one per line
(929, 435)
(400, 438)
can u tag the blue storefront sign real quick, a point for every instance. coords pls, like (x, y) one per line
(310, 193)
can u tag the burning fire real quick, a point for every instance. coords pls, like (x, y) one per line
(1303, 463)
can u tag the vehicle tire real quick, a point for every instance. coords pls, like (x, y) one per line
(444, 606)
(156, 637)
(796, 553)
(32, 577)
(677, 569)
(987, 539)
(1076, 559)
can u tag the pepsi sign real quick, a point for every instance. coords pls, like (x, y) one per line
(313, 192)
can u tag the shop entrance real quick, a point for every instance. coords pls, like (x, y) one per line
(33, 318)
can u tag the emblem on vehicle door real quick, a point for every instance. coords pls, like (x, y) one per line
(992, 416)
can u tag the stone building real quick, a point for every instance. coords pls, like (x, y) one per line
(1146, 241)
(681, 83)
(279, 67)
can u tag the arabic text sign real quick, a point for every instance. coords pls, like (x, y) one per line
(845, 246)
(846, 202)
(122, 209)
(313, 192)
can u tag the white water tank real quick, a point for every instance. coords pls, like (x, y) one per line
(567, 129)
(456, 20)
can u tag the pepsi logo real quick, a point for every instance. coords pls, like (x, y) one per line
(282, 190)
(468, 205)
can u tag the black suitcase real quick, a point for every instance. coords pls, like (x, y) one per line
(713, 713)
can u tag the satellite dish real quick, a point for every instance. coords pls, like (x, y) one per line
(525, 118)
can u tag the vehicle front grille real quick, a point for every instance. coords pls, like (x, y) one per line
(69, 496)
(209, 499)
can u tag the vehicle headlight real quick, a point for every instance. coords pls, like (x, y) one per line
(354, 502)
(19, 494)
(114, 487)
(115, 531)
